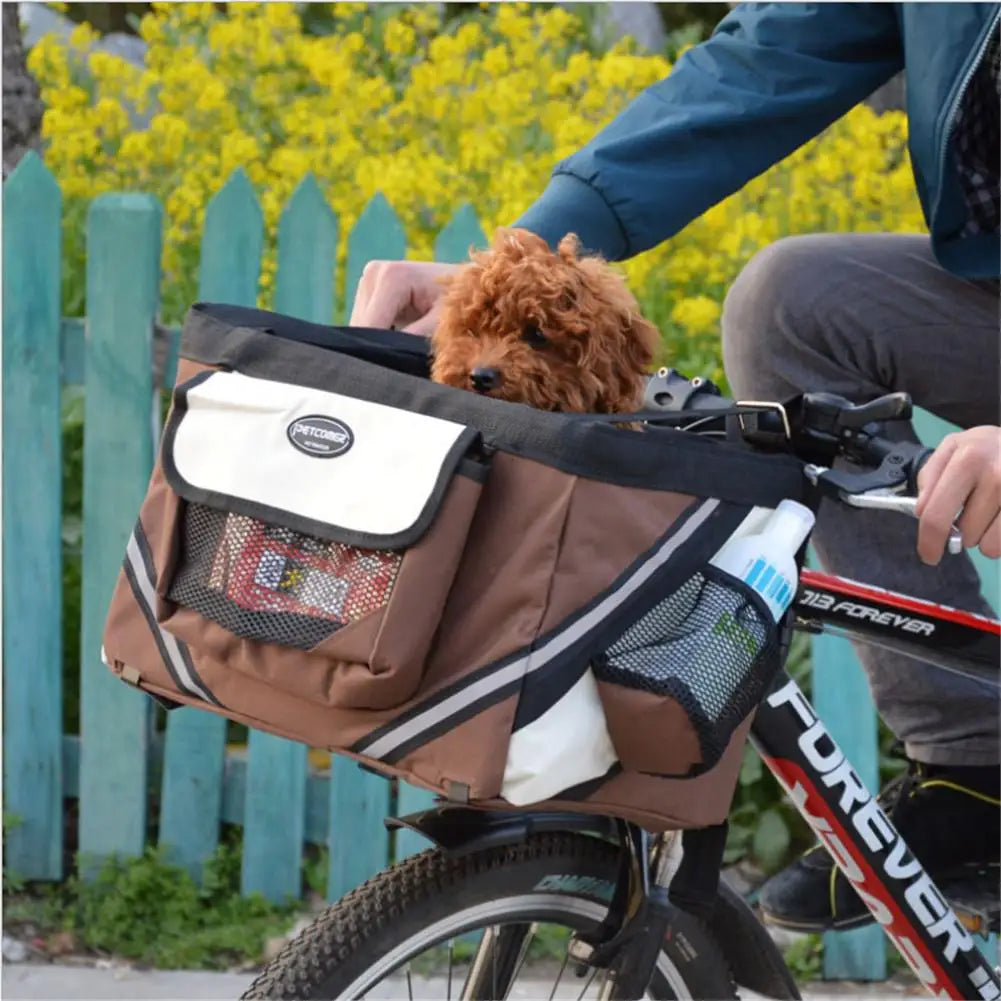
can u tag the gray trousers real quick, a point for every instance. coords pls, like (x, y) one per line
(861, 315)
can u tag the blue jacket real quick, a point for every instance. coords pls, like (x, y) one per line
(772, 76)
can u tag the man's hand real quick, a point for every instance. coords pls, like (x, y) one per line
(962, 474)
(401, 294)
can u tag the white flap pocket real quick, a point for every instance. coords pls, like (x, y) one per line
(360, 473)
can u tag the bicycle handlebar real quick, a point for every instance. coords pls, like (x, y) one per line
(817, 428)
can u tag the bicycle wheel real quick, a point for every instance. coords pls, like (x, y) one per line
(491, 924)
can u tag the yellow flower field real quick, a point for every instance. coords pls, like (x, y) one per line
(391, 101)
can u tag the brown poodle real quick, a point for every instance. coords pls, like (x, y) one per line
(557, 331)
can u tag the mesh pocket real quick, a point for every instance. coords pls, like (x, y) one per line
(272, 584)
(707, 646)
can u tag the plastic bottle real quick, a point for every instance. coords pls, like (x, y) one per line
(766, 561)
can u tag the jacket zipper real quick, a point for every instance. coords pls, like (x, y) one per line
(950, 121)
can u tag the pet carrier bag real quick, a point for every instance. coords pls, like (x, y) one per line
(498, 604)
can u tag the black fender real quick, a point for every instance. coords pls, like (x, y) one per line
(754, 959)
(460, 830)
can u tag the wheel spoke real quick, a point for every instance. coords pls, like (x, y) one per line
(559, 976)
(590, 980)
(451, 954)
(493, 965)
(526, 943)
(496, 962)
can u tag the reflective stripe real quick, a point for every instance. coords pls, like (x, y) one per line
(175, 653)
(439, 713)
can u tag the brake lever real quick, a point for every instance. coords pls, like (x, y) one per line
(886, 499)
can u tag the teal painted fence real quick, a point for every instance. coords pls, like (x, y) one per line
(121, 757)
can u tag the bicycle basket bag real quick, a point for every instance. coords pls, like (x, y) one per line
(499, 604)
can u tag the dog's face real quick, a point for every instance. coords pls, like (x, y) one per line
(554, 330)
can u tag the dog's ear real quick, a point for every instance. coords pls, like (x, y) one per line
(570, 248)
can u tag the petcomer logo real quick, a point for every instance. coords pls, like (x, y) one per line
(322, 437)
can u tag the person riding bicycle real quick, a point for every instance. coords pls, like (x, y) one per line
(855, 314)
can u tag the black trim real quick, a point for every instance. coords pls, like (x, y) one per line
(584, 789)
(540, 694)
(665, 459)
(397, 350)
(459, 830)
(475, 469)
(452, 465)
(162, 700)
(154, 628)
(146, 555)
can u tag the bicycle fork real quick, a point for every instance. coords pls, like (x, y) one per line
(874, 858)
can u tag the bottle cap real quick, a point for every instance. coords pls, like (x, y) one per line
(791, 523)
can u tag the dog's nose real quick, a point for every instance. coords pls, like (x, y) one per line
(484, 379)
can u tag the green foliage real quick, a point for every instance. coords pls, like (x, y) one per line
(764, 827)
(12, 882)
(805, 958)
(316, 869)
(149, 911)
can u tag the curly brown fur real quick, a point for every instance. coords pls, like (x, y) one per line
(557, 331)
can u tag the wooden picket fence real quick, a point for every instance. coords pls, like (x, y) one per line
(120, 760)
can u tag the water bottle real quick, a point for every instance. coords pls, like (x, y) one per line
(766, 561)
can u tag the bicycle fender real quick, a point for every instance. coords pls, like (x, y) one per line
(459, 830)
(755, 961)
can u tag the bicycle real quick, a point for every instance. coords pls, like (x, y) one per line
(649, 915)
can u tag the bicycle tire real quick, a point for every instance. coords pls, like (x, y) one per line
(561, 873)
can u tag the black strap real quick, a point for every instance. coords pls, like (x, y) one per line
(393, 349)
(737, 410)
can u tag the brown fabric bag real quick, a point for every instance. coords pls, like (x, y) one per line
(498, 604)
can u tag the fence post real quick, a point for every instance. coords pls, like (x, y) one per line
(462, 232)
(377, 235)
(32, 517)
(123, 277)
(275, 802)
(307, 255)
(195, 749)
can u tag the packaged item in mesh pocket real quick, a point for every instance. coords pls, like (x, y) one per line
(274, 584)
(499, 604)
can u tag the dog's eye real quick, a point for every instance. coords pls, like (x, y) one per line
(532, 335)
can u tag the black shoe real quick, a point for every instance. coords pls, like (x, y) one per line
(948, 815)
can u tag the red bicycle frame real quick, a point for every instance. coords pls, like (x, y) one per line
(796, 747)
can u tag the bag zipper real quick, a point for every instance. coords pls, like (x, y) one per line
(960, 93)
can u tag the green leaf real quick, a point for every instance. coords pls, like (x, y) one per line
(771, 840)
(751, 768)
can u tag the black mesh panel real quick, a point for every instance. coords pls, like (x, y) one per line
(272, 584)
(707, 646)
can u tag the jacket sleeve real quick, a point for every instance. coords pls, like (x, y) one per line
(771, 77)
